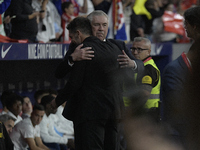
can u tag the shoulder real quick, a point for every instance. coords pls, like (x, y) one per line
(174, 66)
(149, 67)
(119, 43)
(116, 41)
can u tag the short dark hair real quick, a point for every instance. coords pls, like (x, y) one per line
(82, 24)
(65, 5)
(192, 14)
(46, 100)
(4, 96)
(38, 93)
(12, 99)
(52, 91)
(38, 107)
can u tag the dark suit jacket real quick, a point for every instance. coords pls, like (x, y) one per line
(94, 88)
(173, 78)
(64, 68)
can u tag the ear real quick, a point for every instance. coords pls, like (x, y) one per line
(78, 32)
(149, 52)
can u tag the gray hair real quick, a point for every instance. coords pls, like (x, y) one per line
(96, 13)
(139, 39)
(6, 117)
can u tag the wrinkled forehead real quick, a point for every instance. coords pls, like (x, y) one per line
(100, 19)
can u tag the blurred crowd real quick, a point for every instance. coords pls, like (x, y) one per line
(46, 20)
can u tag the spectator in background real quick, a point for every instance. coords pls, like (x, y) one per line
(151, 81)
(103, 5)
(39, 94)
(143, 14)
(26, 107)
(6, 126)
(53, 92)
(48, 133)
(8, 122)
(4, 96)
(77, 7)
(89, 9)
(49, 26)
(67, 16)
(169, 27)
(24, 25)
(62, 125)
(4, 4)
(27, 132)
(14, 105)
(137, 25)
(156, 9)
(159, 34)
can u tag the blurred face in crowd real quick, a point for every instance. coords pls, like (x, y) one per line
(27, 105)
(140, 50)
(100, 27)
(70, 9)
(16, 108)
(36, 116)
(9, 124)
(40, 97)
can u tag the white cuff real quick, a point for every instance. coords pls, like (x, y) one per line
(135, 65)
(71, 64)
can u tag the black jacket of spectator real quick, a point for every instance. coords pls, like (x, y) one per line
(22, 26)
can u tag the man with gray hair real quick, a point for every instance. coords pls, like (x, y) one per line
(8, 122)
(6, 126)
(151, 79)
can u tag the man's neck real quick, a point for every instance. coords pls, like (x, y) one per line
(32, 122)
(83, 37)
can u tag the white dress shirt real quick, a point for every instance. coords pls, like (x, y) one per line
(24, 129)
(47, 132)
(18, 118)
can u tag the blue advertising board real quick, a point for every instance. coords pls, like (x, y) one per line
(27, 67)
(32, 51)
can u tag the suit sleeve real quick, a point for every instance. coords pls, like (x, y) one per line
(64, 68)
(73, 84)
(171, 88)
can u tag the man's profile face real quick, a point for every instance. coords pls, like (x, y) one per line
(74, 37)
(100, 27)
(9, 124)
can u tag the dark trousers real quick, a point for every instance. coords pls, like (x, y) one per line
(55, 146)
(96, 135)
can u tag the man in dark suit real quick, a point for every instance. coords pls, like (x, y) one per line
(99, 22)
(93, 91)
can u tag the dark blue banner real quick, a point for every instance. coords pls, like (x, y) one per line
(19, 51)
